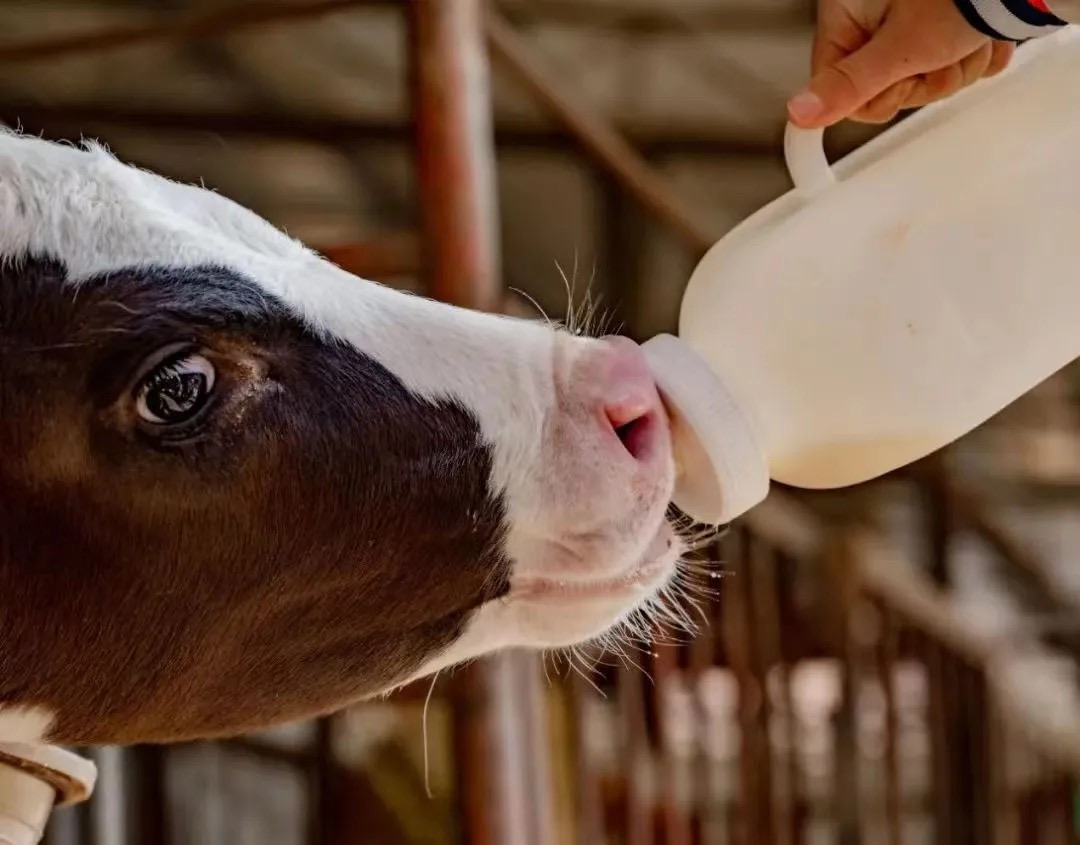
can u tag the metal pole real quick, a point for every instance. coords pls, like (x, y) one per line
(455, 152)
(108, 811)
(500, 761)
(493, 755)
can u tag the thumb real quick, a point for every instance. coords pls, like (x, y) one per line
(843, 87)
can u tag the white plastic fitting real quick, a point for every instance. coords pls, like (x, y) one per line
(722, 469)
(34, 779)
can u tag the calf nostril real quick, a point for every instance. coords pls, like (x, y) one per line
(633, 428)
(627, 435)
(630, 410)
(627, 411)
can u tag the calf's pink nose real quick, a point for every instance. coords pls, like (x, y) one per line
(627, 398)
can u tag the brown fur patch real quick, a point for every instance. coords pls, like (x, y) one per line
(325, 533)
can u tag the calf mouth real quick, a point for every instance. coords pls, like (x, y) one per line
(642, 579)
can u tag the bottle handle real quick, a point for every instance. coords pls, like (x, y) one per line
(804, 151)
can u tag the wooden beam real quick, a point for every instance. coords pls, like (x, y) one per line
(597, 136)
(213, 23)
(75, 119)
(652, 18)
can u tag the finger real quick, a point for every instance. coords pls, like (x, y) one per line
(973, 67)
(1002, 53)
(938, 84)
(920, 94)
(931, 87)
(885, 106)
(847, 85)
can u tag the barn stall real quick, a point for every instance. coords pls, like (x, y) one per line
(894, 663)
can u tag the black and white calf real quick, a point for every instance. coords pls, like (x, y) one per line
(239, 486)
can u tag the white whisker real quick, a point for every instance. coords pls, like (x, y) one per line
(424, 730)
(585, 675)
(569, 322)
(532, 301)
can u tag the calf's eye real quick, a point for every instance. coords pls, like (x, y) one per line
(176, 392)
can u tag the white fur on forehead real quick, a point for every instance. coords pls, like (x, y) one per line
(95, 214)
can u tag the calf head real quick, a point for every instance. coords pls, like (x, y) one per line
(239, 486)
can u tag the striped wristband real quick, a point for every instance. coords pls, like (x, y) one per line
(1012, 20)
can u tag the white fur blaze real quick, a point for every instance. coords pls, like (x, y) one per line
(24, 724)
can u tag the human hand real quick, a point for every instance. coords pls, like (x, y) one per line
(872, 58)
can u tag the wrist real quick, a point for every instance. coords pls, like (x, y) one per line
(1013, 20)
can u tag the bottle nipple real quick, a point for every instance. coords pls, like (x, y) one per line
(722, 472)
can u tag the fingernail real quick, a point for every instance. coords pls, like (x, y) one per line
(805, 105)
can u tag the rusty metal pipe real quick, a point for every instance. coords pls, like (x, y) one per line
(501, 760)
(455, 152)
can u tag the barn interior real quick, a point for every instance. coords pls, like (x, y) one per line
(894, 663)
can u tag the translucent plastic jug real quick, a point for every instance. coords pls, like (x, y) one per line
(888, 304)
